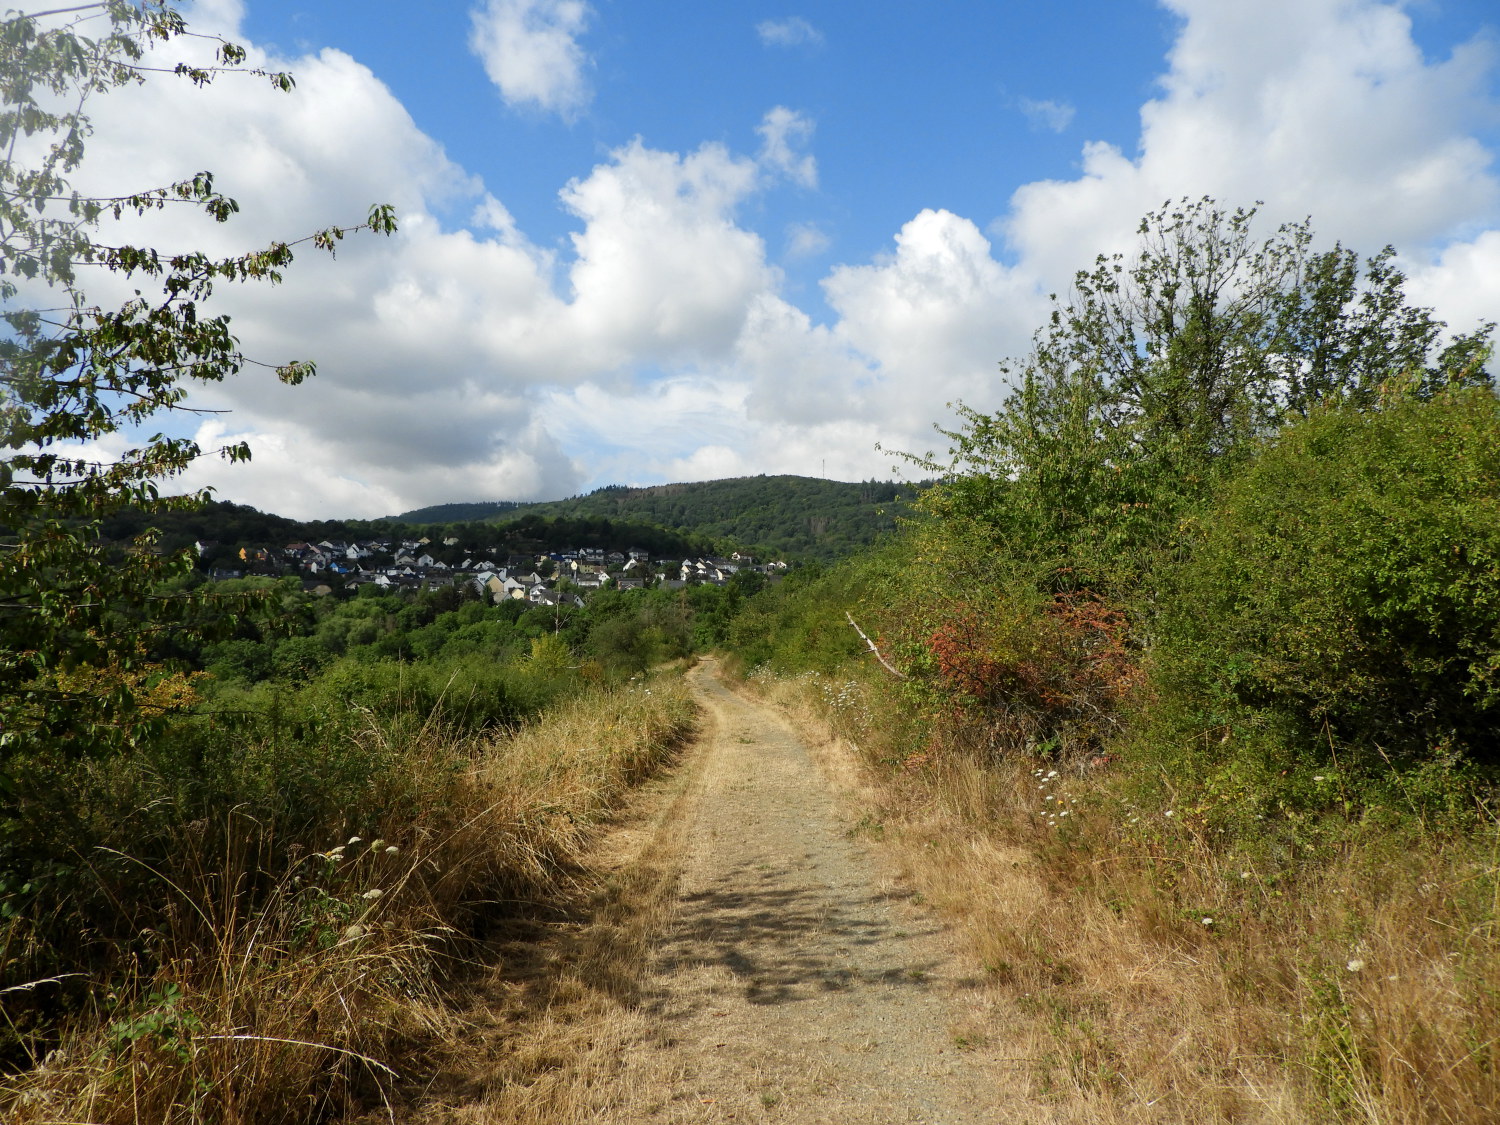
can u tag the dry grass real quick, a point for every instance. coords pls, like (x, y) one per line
(547, 1031)
(301, 994)
(1155, 976)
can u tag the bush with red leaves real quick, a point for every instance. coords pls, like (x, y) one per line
(1061, 670)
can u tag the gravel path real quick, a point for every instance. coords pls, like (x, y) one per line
(793, 982)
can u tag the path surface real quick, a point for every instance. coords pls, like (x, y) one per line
(793, 982)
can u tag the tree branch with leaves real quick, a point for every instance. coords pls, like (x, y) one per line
(78, 667)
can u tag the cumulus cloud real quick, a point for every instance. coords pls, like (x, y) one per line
(1052, 116)
(781, 131)
(794, 31)
(663, 273)
(438, 349)
(530, 51)
(1462, 281)
(1323, 108)
(658, 341)
(935, 317)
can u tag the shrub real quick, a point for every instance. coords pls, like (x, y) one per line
(1344, 599)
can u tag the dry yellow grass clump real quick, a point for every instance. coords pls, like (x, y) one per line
(285, 981)
(1155, 973)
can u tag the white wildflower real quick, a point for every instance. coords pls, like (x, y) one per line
(354, 840)
(353, 932)
(1355, 965)
(393, 850)
(372, 894)
(1208, 921)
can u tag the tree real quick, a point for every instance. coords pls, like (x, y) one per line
(1159, 375)
(78, 628)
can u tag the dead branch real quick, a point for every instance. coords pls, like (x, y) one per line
(884, 663)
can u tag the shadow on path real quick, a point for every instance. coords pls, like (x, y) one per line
(786, 942)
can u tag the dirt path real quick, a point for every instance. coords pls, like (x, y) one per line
(746, 959)
(794, 983)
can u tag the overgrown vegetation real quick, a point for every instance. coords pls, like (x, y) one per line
(1199, 636)
(259, 922)
(76, 621)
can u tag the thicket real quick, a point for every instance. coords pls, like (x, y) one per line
(1239, 485)
(1205, 616)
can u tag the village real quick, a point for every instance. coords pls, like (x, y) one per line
(555, 578)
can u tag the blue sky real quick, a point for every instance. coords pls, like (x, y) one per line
(913, 105)
(647, 241)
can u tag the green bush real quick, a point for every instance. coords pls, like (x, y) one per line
(1342, 607)
(798, 624)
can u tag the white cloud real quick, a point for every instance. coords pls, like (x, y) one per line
(781, 131)
(663, 274)
(1322, 108)
(1462, 281)
(658, 342)
(437, 349)
(934, 318)
(1050, 115)
(794, 31)
(530, 51)
(806, 240)
(297, 473)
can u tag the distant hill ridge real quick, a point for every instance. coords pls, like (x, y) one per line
(473, 512)
(780, 515)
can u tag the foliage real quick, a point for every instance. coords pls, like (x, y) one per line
(798, 625)
(1346, 589)
(73, 373)
(1199, 639)
(1055, 671)
(256, 925)
(1158, 376)
(1234, 528)
(460, 512)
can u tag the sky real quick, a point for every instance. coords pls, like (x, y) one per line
(646, 241)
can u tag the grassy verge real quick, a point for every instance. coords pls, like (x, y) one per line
(257, 966)
(1329, 972)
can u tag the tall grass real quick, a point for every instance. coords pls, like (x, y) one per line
(1313, 971)
(262, 963)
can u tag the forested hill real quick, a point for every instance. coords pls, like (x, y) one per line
(788, 516)
(230, 526)
(474, 512)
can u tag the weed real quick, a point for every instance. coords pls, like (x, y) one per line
(231, 966)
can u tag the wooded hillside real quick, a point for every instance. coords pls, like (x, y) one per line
(775, 515)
